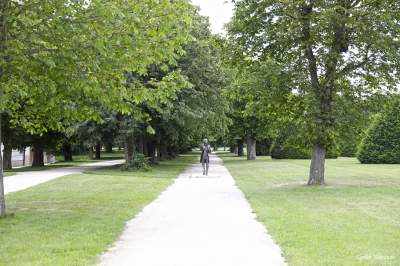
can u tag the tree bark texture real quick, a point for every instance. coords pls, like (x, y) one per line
(145, 148)
(129, 148)
(3, 49)
(152, 151)
(2, 198)
(317, 167)
(98, 151)
(240, 147)
(7, 156)
(251, 148)
(38, 157)
(140, 147)
(67, 152)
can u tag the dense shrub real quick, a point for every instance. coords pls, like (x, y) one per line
(382, 141)
(139, 162)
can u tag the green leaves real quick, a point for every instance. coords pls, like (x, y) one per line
(65, 58)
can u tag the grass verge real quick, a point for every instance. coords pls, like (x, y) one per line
(72, 220)
(77, 160)
(353, 220)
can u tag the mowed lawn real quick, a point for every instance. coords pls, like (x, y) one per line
(353, 220)
(72, 220)
(77, 160)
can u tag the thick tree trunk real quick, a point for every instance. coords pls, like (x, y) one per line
(109, 147)
(98, 151)
(38, 157)
(152, 152)
(129, 148)
(7, 158)
(145, 148)
(234, 149)
(141, 145)
(91, 153)
(251, 148)
(67, 152)
(2, 198)
(317, 167)
(240, 147)
(163, 151)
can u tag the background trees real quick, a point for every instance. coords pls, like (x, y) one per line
(329, 49)
(59, 60)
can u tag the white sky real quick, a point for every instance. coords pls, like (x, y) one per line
(219, 11)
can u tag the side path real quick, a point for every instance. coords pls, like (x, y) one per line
(24, 180)
(198, 221)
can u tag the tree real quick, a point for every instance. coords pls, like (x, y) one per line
(254, 100)
(382, 141)
(323, 44)
(59, 59)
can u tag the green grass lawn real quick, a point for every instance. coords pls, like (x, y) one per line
(353, 220)
(72, 220)
(9, 174)
(77, 160)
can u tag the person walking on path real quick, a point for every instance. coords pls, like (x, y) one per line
(205, 156)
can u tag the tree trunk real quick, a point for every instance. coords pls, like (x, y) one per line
(3, 49)
(145, 148)
(7, 159)
(67, 152)
(109, 147)
(91, 153)
(251, 148)
(234, 149)
(38, 157)
(24, 156)
(98, 151)
(129, 148)
(317, 167)
(157, 152)
(163, 151)
(240, 147)
(152, 151)
(140, 145)
(2, 198)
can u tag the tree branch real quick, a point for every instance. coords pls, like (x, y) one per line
(312, 61)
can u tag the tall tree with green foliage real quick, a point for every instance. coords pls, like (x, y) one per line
(60, 59)
(324, 44)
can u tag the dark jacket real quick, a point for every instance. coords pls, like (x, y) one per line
(205, 151)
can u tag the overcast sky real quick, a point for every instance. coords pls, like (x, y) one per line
(219, 11)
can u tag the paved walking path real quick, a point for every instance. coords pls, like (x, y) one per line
(24, 180)
(198, 221)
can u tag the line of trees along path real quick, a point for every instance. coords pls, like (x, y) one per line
(301, 79)
(310, 67)
(141, 74)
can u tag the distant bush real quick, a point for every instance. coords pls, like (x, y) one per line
(139, 162)
(382, 141)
